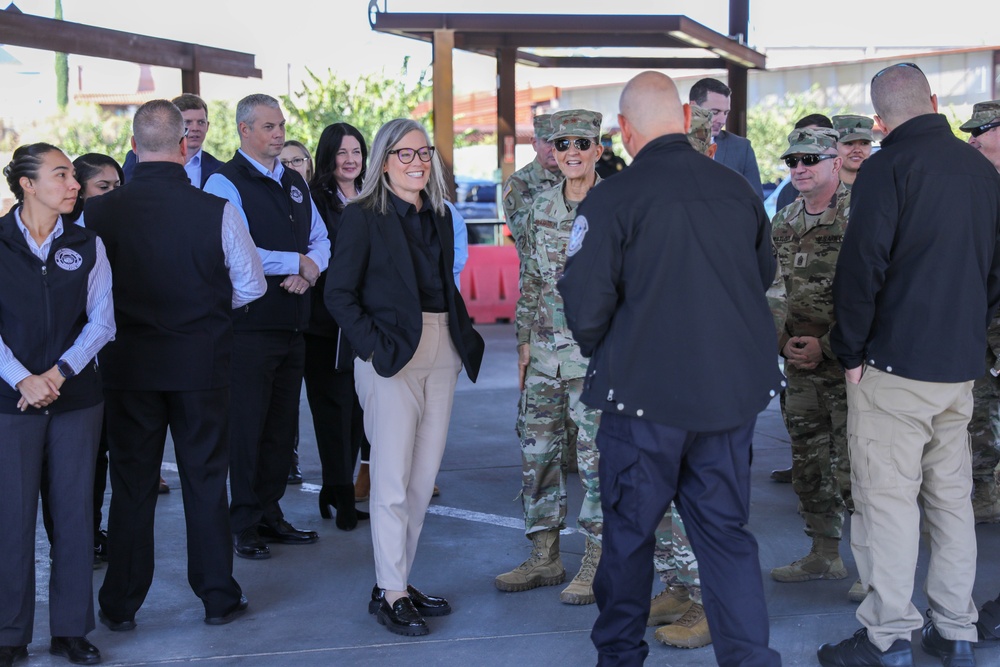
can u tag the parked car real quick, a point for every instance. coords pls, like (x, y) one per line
(477, 199)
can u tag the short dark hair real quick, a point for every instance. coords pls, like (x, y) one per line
(26, 162)
(326, 156)
(701, 89)
(157, 127)
(817, 119)
(189, 101)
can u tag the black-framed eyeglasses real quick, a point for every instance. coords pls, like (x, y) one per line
(983, 129)
(295, 162)
(406, 155)
(183, 136)
(886, 69)
(581, 143)
(808, 160)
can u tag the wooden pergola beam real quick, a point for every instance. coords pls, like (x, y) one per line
(39, 32)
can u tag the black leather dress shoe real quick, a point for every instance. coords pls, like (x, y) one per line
(75, 649)
(858, 651)
(11, 654)
(113, 625)
(234, 612)
(951, 652)
(248, 544)
(401, 617)
(428, 605)
(285, 533)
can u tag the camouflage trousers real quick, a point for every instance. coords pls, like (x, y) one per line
(550, 412)
(673, 557)
(984, 429)
(814, 406)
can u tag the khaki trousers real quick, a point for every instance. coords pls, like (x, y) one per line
(406, 420)
(909, 447)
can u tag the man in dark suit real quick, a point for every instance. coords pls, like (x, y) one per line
(182, 260)
(695, 229)
(268, 346)
(733, 150)
(200, 163)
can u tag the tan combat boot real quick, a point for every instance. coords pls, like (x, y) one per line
(689, 631)
(543, 568)
(581, 589)
(669, 605)
(858, 592)
(823, 562)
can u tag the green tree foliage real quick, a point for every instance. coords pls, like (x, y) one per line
(222, 139)
(367, 103)
(88, 129)
(768, 127)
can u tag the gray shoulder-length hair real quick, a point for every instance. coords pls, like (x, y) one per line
(375, 191)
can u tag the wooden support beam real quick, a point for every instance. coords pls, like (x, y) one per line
(737, 122)
(444, 107)
(506, 115)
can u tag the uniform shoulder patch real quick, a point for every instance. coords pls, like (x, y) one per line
(580, 228)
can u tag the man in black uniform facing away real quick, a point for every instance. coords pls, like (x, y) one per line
(697, 231)
(181, 261)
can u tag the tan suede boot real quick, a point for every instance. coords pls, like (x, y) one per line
(543, 568)
(822, 562)
(581, 589)
(689, 631)
(669, 605)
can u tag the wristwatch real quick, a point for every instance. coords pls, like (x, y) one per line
(65, 369)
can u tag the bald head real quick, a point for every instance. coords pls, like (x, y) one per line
(652, 106)
(901, 92)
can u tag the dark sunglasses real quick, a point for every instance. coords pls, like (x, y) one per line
(983, 129)
(808, 160)
(562, 145)
(886, 69)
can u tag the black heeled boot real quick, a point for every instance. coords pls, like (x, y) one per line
(347, 514)
(326, 501)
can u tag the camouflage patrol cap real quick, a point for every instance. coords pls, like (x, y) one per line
(811, 141)
(852, 128)
(543, 126)
(983, 113)
(700, 134)
(576, 123)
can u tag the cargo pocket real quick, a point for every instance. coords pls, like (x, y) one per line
(618, 469)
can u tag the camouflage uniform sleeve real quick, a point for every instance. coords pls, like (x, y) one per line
(530, 282)
(514, 208)
(993, 340)
(776, 301)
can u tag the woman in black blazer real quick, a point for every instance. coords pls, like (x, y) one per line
(390, 288)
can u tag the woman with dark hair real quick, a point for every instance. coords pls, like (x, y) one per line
(55, 294)
(329, 369)
(96, 173)
(391, 289)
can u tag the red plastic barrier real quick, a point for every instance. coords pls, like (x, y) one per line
(490, 283)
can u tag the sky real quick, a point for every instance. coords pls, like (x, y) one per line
(289, 35)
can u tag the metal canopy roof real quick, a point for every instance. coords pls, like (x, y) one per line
(485, 33)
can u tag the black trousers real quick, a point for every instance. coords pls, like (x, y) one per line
(68, 441)
(336, 411)
(137, 430)
(267, 383)
(643, 466)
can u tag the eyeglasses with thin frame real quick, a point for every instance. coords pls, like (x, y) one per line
(983, 129)
(808, 160)
(295, 162)
(406, 155)
(581, 143)
(183, 136)
(886, 69)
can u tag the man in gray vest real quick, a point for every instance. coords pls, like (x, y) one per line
(181, 261)
(268, 348)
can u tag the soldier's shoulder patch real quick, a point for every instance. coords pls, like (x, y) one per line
(506, 190)
(580, 228)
